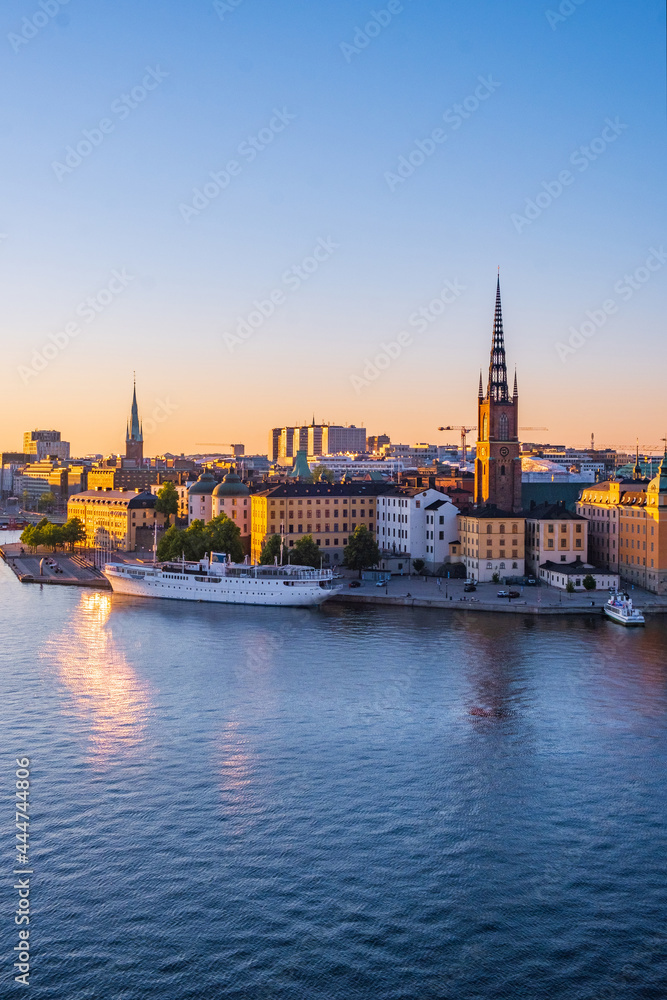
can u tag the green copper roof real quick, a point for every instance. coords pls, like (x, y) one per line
(301, 469)
(231, 486)
(205, 484)
(659, 484)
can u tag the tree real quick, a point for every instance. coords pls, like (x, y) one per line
(270, 551)
(166, 501)
(569, 587)
(46, 502)
(171, 545)
(73, 532)
(224, 535)
(495, 578)
(306, 552)
(52, 535)
(322, 472)
(362, 551)
(589, 582)
(28, 536)
(418, 565)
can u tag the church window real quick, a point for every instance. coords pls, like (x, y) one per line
(485, 428)
(502, 470)
(503, 427)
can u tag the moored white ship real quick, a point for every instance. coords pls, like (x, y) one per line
(619, 608)
(216, 580)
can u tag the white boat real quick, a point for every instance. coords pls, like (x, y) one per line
(619, 608)
(217, 580)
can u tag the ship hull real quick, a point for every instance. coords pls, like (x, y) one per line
(273, 593)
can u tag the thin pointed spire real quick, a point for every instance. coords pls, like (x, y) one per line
(497, 388)
(481, 387)
(516, 384)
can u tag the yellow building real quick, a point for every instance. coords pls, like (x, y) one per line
(112, 518)
(554, 534)
(634, 514)
(330, 513)
(492, 541)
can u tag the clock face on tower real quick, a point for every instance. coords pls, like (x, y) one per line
(504, 452)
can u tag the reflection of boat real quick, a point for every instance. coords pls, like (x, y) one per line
(619, 608)
(223, 582)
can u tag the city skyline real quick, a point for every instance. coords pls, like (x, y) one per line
(249, 259)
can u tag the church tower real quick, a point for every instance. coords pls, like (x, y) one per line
(134, 438)
(498, 462)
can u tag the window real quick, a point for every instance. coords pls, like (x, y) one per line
(441, 536)
(550, 529)
(502, 529)
(489, 565)
(489, 529)
(503, 430)
(515, 565)
(502, 470)
(502, 565)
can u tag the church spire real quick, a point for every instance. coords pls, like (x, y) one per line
(498, 389)
(134, 431)
(516, 385)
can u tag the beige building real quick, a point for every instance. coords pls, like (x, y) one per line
(554, 534)
(492, 542)
(599, 504)
(330, 513)
(115, 519)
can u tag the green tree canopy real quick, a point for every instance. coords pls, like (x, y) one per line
(73, 531)
(224, 535)
(322, 472)
(271, 551)
(418, 565)
(589, 582)
(167, 499)
(362, 551)
(306, 552)
(47, 501)
(569, 587)
(52, 535)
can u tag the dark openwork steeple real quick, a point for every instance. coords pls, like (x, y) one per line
(497, 388)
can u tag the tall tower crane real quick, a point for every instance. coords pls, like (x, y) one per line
(464, 437)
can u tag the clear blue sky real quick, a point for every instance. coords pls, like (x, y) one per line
(346, 119)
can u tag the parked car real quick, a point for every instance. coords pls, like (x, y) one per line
(503, 593)
(381, 583)
(514, 593)
(531, 581)
(354, 583)
(469, 588)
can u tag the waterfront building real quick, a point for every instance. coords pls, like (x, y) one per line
(200, 498)
(492, 543)
(600, 505)
(418, 524)
(556, 535)
(116, 519)
(351, 465)
(134, 438)
(232, 498)
(559, 575)
(50, 475)
(328, 512)
(498, 455)
(40, 445)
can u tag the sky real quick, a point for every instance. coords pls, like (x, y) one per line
(272, 210)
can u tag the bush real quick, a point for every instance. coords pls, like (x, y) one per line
(589, 582)
(570, 587)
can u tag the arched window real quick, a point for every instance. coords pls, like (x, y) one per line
(502, 529)
(514, 529)
(502, 566)
(489, 529)
(502, 470)
(503, 428)
(485, 428)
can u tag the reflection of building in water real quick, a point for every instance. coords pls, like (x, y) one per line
(107, 695)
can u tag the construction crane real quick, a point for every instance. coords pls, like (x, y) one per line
(533, 428)
(464, 437)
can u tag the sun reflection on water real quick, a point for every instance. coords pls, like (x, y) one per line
(106, 692)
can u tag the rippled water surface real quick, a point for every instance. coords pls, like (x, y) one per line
(258, 803)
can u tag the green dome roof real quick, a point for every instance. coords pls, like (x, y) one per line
(205, 484)
(231, 486)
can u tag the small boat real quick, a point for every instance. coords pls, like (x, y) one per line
(619, 608)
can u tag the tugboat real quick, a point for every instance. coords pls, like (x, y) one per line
(619, 608)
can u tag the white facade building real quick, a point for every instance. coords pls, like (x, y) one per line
(417, 523)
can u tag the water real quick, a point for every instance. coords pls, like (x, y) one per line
(298, 805)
